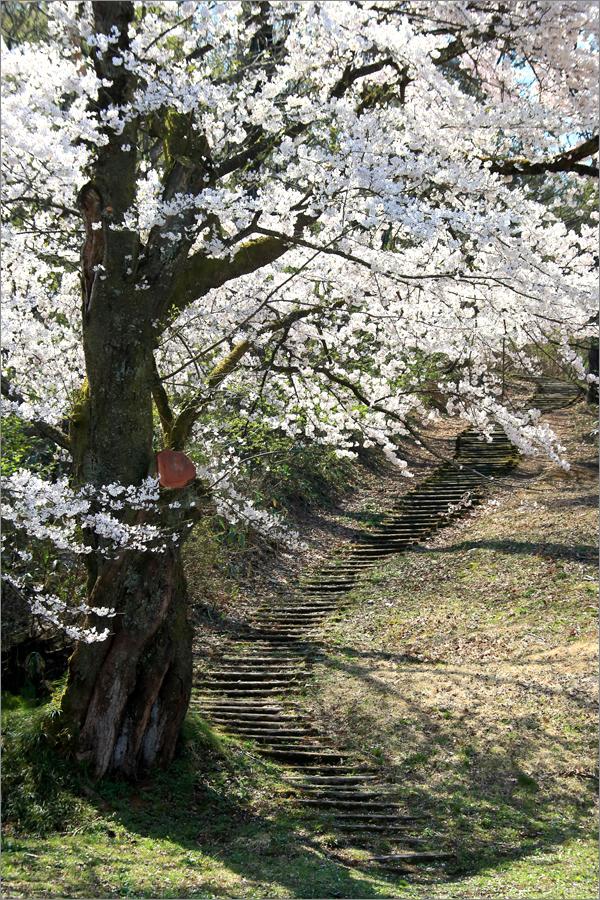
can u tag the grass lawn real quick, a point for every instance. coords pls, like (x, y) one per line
(217, 824)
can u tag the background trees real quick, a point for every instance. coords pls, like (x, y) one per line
(304, 215)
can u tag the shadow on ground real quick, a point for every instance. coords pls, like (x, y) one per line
(272, 853)
(480, 798)
(549, 550)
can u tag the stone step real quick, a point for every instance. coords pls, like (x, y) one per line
(265, 630)
(306, 744)
(396, 533)
(408, 856)
(258, 719)
(357, 817)
(246, 692)
(359, 569)
(332, 769)
(305, 606)
(276, 636)
(306, 649)
(314, 617)
(363, 805)
(324, 780)
(304, 614)
(325, 587)
(487, 468)
(372, 550)
(260, 725)
(273, 729)
(282, 661)
(447, 493)
(400, 533)
(476, 440)
(250, 672)
(272, 738)
(482, 446)
(296, 756)
(487, 451)
(393, 545)
(350, 797)
(249, 683)
(235, 676)
(283, 621)
(481, 452)
(252, 712)
(425, 507)
(246, 707)
(371, 828)
(381, 552)
(402, 526)
(450, 486)
(422, 516)
(399, 836)
(403, 523)
(422, 511)
(258, 662)
(349, 791)
(337, 580)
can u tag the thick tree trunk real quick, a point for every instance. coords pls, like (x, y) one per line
(127, 696)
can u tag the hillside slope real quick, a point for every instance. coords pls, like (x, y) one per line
(468, 669)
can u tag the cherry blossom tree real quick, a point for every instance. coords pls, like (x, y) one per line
(324, 210)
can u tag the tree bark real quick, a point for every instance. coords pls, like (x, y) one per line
(127, 696)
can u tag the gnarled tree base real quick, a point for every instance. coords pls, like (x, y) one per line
(126, 697)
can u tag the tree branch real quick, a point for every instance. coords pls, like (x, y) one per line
(348, 78)
(201, 274)
(561, 162)
(163, 407)
(37, 427)
(185, 420)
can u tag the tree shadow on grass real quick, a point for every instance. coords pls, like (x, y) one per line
(578, 552)
(204, 814)
(476, 795)
(482, 806)
(585, 501)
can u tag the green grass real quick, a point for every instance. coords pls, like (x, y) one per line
(215, 824)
